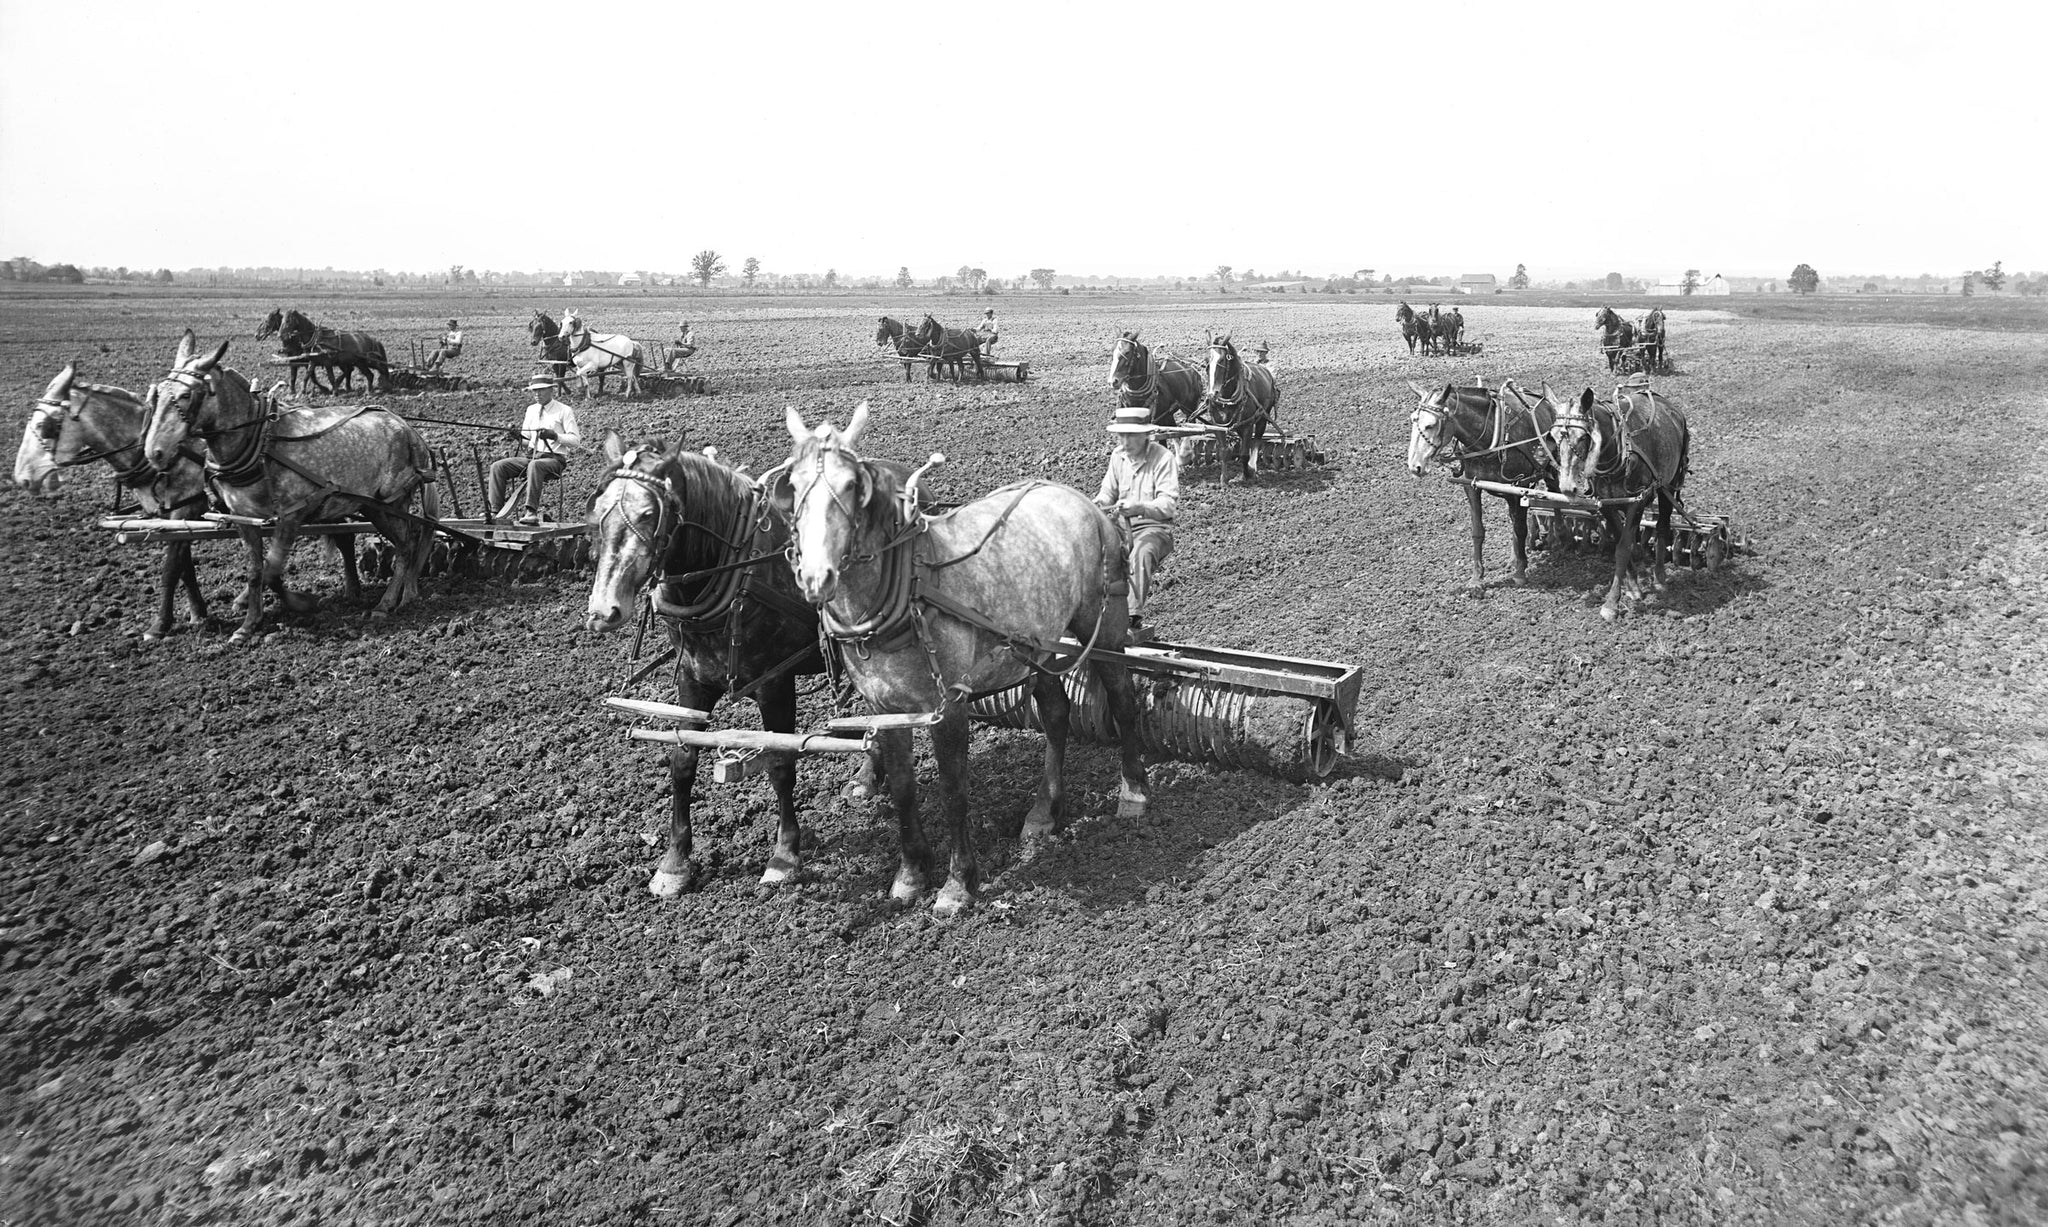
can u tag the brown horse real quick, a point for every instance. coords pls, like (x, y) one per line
(1617, 335)
(295, 467)
(903, 339)
(77, 423)
(1166, 386)
(1414, 328)
(953, 348)
(342, 354)
(1635, 448)
(706, 538)
(1650, 333)
(294, 346)
(931, 611)
(1486, 435)
(1239, 396)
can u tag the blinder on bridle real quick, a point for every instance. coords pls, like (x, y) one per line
(787, 500)
(668, 511)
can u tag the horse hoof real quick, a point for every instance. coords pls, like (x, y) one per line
(781, 871)
(1036, 828)
(666, 885)
(152, 636)
(1131, 802)
(1609, 612)
(906, 888)
(241, 636)
(854, 790)
(952, 901)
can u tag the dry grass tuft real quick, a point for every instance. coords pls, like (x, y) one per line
(931, 1161)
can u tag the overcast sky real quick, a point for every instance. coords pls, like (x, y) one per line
(1464, 136)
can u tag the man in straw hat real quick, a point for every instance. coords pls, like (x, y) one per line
(551, 438)
(1142, 489)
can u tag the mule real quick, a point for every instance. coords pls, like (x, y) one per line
(1239, 396)
(1636, 448)
(76, 423)
(1485, 435)
(932, 611)
(953, 347)
(295, 467)
(902, 338)
(1617, 336)
(705, 538)
(341, 354)
(1167, 386)
(602, 354)
(294, 346)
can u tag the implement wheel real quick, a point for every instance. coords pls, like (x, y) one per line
(1326, 741)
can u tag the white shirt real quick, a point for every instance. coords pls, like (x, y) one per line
(558, 417)
(1151, 484)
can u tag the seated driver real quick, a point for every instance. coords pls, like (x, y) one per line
(551, 438)
(451, 347)
(684, 345)
(1142, 487)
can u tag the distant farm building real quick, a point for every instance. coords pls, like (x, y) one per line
(1716, 285)
(632, 279)
(1476, 283)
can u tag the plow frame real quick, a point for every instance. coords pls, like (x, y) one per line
(1329, 691)
(1701, 542)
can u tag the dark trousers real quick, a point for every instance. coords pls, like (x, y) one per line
(533, 470)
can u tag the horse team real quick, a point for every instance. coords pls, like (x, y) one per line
(752, 575)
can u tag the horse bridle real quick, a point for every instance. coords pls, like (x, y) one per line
(1144, 361)
(1216, 397)
(799, 498)
(668, 513)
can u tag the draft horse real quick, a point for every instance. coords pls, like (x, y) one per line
(1414, 328)
(1239, 396)
(77, 423)
(1166, 386)
(707, 541)
(603, 354)
(340, 354)
(931, 611)
(1650, 333)
(953, 347)
(1623, 454)
(1486, 435)
(295, 467)
(1617, 336)
(294, 347)
(903, 339)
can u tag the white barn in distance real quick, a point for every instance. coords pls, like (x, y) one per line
(1476, 283)
(1714, 286)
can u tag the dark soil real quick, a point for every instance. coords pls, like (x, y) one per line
(1727, 912)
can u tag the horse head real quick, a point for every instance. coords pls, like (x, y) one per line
(1605, 319)
(36, 463)
(828, 494)
(1577, 440)
(632, 517)
(888, 332)
(271, 323)
(177, 402)
(1404, 313)
(1223, 365)
(1428, 440)
(541, 327)
(1129, 360)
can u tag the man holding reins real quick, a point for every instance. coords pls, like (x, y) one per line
(552, 439)
(1141, 489)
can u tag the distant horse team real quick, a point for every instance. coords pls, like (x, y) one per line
(940, 348)
(314, 349)
(1431, 332)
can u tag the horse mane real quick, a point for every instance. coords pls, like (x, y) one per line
(710, 494)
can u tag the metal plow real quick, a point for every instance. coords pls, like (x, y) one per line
(1702, 542)
(1201, 446)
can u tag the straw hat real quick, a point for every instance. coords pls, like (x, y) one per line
(540, 383)
(1131, 420)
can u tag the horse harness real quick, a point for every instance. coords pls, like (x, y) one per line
(899, 615)
(140, 475)
(251, 464)
(722, 609)
(1499, 444)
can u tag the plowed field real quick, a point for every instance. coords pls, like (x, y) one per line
(1729, 911)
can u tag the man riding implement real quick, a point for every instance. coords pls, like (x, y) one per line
(551, 438)
(1141, 489)
(451, 347)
